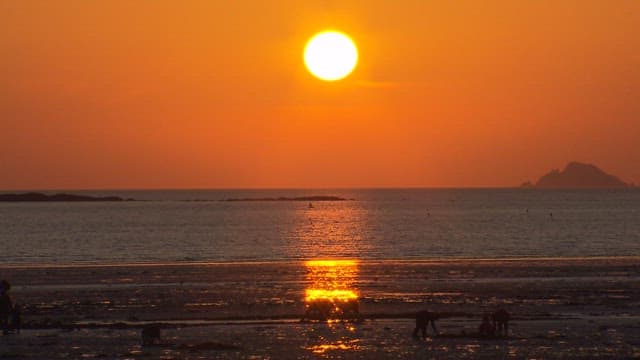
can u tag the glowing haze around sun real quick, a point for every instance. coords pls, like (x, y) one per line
(330, 55)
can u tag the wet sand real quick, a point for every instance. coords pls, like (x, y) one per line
(562, 308)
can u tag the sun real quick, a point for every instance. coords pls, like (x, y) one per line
(330, 55)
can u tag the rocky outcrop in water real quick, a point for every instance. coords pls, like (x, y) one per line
(578, 176)
(40, 197)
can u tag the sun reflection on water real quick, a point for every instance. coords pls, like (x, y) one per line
(330, 230)
(352, 345)
(331, 292)
(334, 295)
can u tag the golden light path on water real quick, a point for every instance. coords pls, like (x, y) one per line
(331, 296)
(328, 231)
(348, 345)
(332, 280)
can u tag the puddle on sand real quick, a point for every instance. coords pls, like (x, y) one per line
(350, 345)
(204, 304)
(469, 348)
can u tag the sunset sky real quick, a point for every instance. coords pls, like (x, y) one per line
(215, 94)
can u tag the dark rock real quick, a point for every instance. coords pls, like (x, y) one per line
(578, 176)
(35, 197)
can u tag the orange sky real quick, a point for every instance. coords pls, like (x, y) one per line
(210, 94)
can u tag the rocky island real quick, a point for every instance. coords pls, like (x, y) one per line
(40, 197)
(578, 176)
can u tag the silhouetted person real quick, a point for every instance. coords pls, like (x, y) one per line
(151, 335)
(4, 286)
(15, 319)
(501, 321)
(423, 318)
(486, 328)
(5, 306)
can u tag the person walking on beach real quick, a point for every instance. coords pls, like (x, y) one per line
(423, 318)
(486, 328)
(151, 335)
(5, 306)
(15, 319)
(501, 321)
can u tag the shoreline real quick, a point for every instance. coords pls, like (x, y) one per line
(434, 261)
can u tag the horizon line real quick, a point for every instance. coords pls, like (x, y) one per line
(298, 188)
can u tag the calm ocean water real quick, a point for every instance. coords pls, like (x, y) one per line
(376, 224)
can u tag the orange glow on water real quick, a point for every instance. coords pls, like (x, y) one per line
(331, 279)
(352, 345)
(333, 264)
(331, 292)
(335, 294)
(332, 234)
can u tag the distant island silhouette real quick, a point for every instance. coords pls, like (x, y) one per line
(578, 176)
(301, 198)
(40, 197)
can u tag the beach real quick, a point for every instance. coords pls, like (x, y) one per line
(560, 308)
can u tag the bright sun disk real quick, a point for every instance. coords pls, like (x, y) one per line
(330, 55)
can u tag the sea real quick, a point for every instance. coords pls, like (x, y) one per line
(193, 226)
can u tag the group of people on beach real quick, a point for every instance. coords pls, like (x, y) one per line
(495, 324)
(10, 318)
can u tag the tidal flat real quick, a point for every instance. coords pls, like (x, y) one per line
(560, 308)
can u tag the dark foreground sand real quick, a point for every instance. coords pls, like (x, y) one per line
(562, 308)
